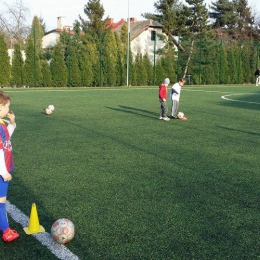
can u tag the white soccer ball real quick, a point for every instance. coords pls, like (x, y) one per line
(51, 107)
(48, 111)
(63, 230)
(180, 115)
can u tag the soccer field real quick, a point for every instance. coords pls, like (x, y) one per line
(134, 186)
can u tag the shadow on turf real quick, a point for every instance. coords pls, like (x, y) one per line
(237, 130)
(134, 110)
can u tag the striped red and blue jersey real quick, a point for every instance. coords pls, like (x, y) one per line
(6, 145)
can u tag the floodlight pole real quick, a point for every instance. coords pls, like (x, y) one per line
(128, 48)
(34, 55)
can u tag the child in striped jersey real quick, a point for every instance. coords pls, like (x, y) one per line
(6, 163)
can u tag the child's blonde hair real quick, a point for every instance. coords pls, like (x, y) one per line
(4, 98)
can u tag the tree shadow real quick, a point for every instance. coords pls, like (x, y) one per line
(238, 130)
(134, 110)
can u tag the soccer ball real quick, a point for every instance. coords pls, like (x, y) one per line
(63, 230)
(51, 107)
(180, 115)
(48, 111)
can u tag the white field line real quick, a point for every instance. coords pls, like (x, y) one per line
(235, 100)
(225, 97)
(59, 250)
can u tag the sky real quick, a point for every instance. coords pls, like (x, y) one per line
(49, 10)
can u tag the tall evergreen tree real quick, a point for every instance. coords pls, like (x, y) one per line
(234, 18)
(133, 74)
(223, 12)
(29, 64)
(208, 61)
(232, 63)
(223, 65)
(86, 67)
(240, 62)
(36, 35)
(5, 66)
(58, 67)
(34, 54)
(124, 34)
(166, 15)
(192, 21)
(32, 66)
(121, 62)
(141, 74)
(109, 58)
(17, 66)
(246, 64)
(94, 29)
(168, 63)
(74, 79)
(95, 25)
(149, 69)
(160, 73)
(46, 73)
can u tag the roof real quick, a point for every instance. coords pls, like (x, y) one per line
(70, 31)
(137, 27)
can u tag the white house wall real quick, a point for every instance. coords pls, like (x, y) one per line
(143, 43)
(50, 40)
(11, 54)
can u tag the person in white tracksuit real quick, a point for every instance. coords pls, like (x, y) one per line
(257, 76)
(175, 96)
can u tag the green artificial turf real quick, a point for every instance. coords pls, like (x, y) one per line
(137, 187)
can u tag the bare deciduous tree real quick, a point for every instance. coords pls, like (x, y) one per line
(13, 18)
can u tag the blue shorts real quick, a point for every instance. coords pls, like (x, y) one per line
(3, 187)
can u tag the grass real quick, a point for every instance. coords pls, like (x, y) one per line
(134, 186)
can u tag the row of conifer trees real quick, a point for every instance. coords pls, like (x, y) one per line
(100, 59)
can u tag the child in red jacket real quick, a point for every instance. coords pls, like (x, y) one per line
(162, 99)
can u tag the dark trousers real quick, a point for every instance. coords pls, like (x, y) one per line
(164, 108)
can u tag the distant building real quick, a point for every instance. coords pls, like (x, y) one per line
(11, 54)
(140, 34)
(50, 38)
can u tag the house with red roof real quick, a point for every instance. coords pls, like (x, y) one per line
(140, 34)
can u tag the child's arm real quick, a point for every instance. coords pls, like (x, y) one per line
(12, 125)
(3, 171)
(174, 91)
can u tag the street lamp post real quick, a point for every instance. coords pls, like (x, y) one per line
(128, 48)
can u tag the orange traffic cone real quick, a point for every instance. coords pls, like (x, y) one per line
(34, 225)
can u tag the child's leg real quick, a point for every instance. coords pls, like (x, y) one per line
(172, 112)
(165, 109)
(3, 216)
(175, 105)
(8, 234)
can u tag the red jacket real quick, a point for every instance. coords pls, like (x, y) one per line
(162, 92)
